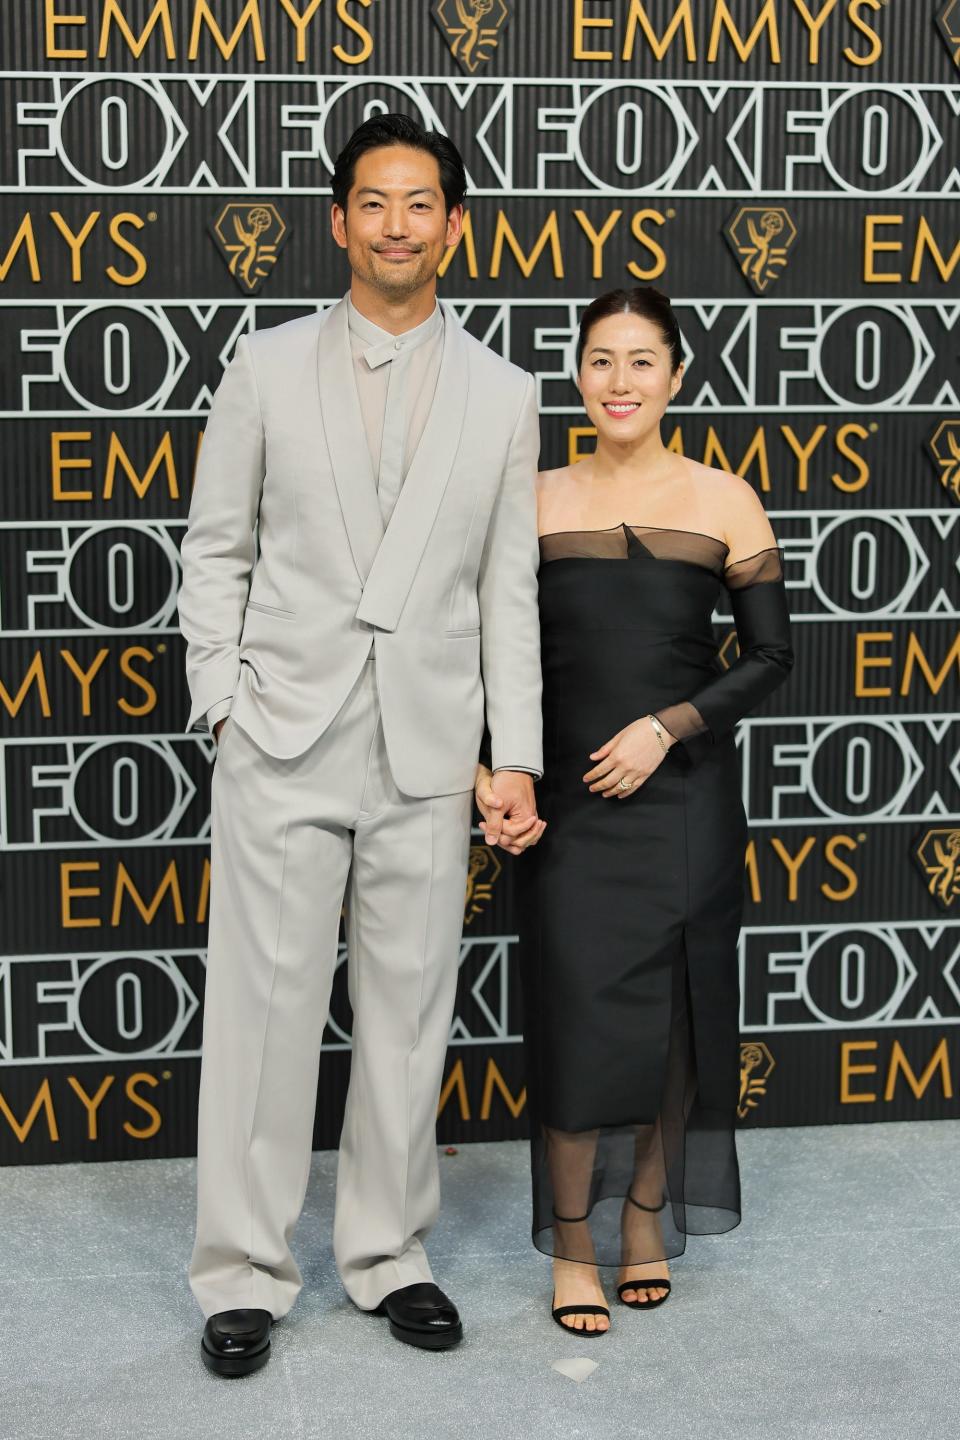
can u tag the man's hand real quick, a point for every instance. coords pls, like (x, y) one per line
(506, 802)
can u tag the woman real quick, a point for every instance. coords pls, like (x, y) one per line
(631, 904)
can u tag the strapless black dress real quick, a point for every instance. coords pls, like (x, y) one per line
(630, 909)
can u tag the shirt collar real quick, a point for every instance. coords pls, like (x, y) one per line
(377, 346)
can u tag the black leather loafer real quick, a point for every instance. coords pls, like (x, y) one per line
(236, 1342)
(422, 1315)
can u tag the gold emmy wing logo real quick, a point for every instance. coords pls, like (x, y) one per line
(249, 237)
(756, 1066)
(761, 237)
(948, 23)
(482, 874)
(944, 446)
(472, 28)
(938, 855)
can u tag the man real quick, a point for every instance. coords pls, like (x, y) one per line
(385, 462)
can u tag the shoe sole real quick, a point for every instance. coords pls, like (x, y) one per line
(231, 1367)
(423, 1340)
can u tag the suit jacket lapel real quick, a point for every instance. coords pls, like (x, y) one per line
(346, 441)
(401, 550)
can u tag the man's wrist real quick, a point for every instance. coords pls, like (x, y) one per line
(219, 711)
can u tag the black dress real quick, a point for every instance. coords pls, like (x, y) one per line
(630, 909)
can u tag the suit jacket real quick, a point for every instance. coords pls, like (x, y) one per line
(289, 576)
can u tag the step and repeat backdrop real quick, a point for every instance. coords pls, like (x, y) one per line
(788, 172)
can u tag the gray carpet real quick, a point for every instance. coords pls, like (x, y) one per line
(830, 1312)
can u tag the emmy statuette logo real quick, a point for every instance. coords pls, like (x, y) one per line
(482, 875)
(471, 28)
(944, 446)
(761, 237)
(756, 1067)
(938, 855)
(249, 237)
(948, 24)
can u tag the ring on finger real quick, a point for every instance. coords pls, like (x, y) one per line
(625, 784)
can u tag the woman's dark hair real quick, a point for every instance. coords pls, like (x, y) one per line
(382, 130)
(647, 302)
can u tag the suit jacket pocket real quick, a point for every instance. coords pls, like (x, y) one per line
(469, 633)
(271, 610)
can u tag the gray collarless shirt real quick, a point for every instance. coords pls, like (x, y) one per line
(396, 379)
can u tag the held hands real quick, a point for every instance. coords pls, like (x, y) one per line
(509, 810)
(632, 756)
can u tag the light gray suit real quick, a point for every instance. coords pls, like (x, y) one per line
(358, 659)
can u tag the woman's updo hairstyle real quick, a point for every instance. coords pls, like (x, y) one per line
(647, 302)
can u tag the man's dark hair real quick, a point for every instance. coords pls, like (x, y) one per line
(382, 130)
(647, 302)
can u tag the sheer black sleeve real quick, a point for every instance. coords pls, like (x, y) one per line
(762, 621)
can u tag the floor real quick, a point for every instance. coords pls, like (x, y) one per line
(831, 1312)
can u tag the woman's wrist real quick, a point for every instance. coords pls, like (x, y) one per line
(664, 738)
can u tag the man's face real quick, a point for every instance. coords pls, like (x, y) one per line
(396, 228)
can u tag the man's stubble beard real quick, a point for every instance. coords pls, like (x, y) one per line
(395, 282)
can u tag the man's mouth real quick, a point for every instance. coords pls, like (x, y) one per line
(620, 409)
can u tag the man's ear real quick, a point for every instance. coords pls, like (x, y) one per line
(454, 226)
(338, 226)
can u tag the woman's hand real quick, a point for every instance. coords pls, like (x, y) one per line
(632, 755)
(514, 836)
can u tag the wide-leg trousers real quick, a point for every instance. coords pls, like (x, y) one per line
(291, 839)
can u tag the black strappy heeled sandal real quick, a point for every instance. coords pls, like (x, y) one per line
(644, 1284)
(557, 1312)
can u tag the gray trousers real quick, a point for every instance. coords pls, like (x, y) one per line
(290, 839)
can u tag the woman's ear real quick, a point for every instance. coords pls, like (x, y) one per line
(676, 382)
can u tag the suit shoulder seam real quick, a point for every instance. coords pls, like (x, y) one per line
(507, 368)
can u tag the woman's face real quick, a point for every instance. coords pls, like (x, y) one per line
(625, 377)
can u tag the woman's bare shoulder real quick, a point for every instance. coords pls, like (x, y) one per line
(730, 508)
(552, 480)
(721, 489)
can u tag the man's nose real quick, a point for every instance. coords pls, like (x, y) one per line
(395, 222)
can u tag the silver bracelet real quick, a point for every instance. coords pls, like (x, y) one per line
(658, 731)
